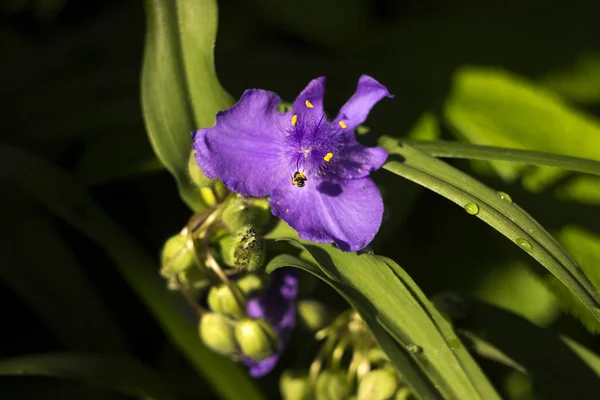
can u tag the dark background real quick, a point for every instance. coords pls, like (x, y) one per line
(69, 76)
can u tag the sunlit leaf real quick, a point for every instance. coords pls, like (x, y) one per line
(497, 210)
(117, 373)
(54, 189)
(378, 287)
(492, 107)
(180, 90)
(579, 82)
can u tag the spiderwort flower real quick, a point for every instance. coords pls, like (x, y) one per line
(277, 306)
(314, 170)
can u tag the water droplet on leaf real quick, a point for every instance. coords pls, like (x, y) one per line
(413, 348)
(472, 208)
(504, 196)
(524, 244)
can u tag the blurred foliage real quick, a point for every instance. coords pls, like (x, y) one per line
(504, 73)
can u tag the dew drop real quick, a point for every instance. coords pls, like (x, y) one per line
(415, 349)
(472, 208)
(504, 196)
(524, 244)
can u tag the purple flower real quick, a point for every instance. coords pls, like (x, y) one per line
(277, 306)
(314, 170)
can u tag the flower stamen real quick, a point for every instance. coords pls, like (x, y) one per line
(343, 124)
(309, 104)
(328, 157)
(294, 120)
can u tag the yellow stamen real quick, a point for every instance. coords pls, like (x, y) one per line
(308, 104)
(328, 157)
(294, 120)
(343, 124)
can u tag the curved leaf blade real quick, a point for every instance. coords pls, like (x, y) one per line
(490, 153)
(528, 344)
(55, 190)
(400, 308)
(118, 373)
(165, 107)
(180, 89)
(504, 216)
(419, 383)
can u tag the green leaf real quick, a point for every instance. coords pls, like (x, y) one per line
(406, 365)
(41, 268)
(379, 289)
(489, 153)
(580, 82)
(492, 107)
(582, 189)
(55, 190)
(497, 211)
(180, 90)
(118, 373)
(560, 372)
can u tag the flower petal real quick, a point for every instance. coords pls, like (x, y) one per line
(278, 307)
(368, 93)
(244, 147)
(347, 212)
(356, 161)
(313, 93)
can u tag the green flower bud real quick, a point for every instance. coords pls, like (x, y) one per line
(294, 385)
(378, 384)
(256, 338)
(217, 332)
(250, 284)
(313, 314)
(247, 250)
(210, 189)
(196, 174)
(221, 300)
(378, 356)
(261, 210)
(284, 107)
(193, 278)
(242, 211)
(176, 256)
(404, 394)
(225, 242)
(236, 214)
(332, 386)
(362, 130)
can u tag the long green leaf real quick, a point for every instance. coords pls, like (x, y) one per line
(381, 287)
(492, 107)
(559, 372)
(180, 90)
(167, 114)
(497, 211)
(40, 267)
(490, 153)
(116, 373)
(420, 384)
(55, 190)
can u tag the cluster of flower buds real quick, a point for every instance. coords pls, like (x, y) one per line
(349, 365)
(216, 262)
